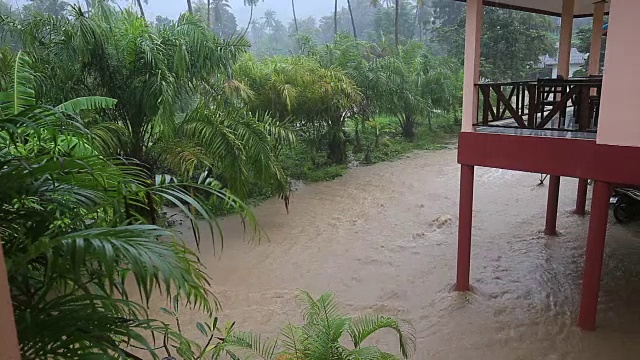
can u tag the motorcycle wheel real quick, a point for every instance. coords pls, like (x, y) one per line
(623, 211)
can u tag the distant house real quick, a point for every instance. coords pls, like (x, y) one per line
(550, 64)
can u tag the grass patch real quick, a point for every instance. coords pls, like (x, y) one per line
(300, 163)
(392, 146)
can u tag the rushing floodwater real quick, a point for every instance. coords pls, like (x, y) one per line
(371, 237)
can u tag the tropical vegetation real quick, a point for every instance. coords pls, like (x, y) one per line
(323, 334)
(108, 119)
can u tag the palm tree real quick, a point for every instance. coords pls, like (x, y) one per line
(189, 7)
(353, 23)
(218, 7)
(251, 4)
(269, 20)
(402, 94)
(69, 240)
(320, 335)
(319, 99)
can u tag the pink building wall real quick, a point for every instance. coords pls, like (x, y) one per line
(619, 122)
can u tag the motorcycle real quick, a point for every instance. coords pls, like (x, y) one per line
(626, 204)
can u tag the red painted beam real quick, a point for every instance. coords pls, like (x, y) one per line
(594, 255)
(552, 206)
(578, 158)
(464, 227)
(581, 197)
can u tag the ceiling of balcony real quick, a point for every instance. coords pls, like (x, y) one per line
(583, 8)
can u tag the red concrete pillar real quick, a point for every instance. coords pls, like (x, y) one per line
(581, 200)
(594, 255)
(464, 227)
(552, 205)
(9, 348)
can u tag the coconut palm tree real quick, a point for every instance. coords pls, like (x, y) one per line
(320, 335)
(251, 4)
(218, 7)
(269, 20)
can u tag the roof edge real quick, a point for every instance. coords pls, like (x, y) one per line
(528, 9)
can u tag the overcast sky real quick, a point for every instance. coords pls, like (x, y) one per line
(173, 8)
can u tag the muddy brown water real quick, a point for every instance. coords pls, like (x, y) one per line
(370, 237)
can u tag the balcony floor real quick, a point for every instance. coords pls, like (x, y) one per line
(536, 132)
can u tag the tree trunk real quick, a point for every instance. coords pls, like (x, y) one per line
(249, 23)
(189, 7)
(418, 23)
(337, 147)
(396, 23)
(353, 23)
(295, 22)
(335, 19)
(295, 19)
(209, 14)
(408, 128)
(140, 7)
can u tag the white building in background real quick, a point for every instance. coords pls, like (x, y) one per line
(550, 64)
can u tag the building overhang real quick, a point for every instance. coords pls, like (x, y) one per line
(583, 8)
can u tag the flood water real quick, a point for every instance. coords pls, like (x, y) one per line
(371, 238)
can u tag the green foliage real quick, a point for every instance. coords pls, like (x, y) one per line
(160, 77)
(512, 42)
(320, 336)
(313, 99)
(582, 42)
(70, 242)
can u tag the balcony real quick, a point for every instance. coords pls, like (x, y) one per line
(546, 107)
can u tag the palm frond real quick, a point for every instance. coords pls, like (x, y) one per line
(87, 103)
(361, 327)
(21, 95)
(250, 346)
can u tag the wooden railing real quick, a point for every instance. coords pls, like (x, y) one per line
(550, 104)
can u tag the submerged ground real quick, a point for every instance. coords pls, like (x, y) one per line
(370, 236)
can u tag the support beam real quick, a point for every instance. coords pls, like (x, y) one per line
(552, 206)
(596, 37)
(594, 69)
(581, 200)
(566, 32)
(9, 346)
(464, 227)
(594, 255)
(471, 64)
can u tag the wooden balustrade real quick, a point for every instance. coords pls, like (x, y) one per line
(549, 104)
